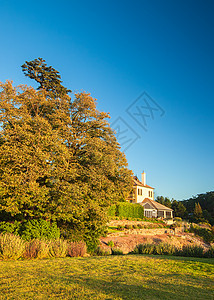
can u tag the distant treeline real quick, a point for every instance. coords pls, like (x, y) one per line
(197, 209)
(206, 202)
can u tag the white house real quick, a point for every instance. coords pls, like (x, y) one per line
(144, 194)
(140, 190)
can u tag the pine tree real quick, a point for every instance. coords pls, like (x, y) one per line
(48, 78)
(198, 211)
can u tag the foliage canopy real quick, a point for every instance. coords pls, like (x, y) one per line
(59, 158)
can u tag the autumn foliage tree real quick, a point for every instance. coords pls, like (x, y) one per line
(59, 158)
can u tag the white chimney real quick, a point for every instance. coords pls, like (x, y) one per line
(143, 178)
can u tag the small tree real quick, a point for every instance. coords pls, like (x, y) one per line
(198, 214)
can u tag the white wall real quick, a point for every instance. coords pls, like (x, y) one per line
(145, 194)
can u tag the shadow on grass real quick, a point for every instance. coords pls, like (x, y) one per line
(118, 277)
(208, 261)
(149, 290)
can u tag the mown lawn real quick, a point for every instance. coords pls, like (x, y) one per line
(112, 277)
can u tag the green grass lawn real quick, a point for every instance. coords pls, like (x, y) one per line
(112, 277)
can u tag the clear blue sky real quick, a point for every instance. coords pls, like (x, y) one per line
(117, 50)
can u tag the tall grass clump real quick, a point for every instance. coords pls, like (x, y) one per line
(11, 246)
(75, 249)
(209, 253)
(58, 248)
(36, 249)
(164, 249)
(144, 249)
(190, 251)
(168, 249)
(101, 252)
(115, 251)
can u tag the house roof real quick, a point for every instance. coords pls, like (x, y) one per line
(136, 182)
(156, 205)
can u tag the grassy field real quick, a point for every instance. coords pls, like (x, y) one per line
(112, 277)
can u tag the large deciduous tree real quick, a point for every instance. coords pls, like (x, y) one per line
(59, 158)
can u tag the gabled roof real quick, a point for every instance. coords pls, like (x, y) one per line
(136, 182)
(156, 205)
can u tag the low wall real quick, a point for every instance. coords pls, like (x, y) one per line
(151, 231)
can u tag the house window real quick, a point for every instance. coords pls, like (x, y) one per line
(140, 192)
(150, 193)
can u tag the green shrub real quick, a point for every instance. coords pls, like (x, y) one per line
(11, 246)
(112, 210)
(76, 249)
(120, 227)
(39, 229)
(37, 249)
(110, 244)
(135, 226)
(58, 248)
(10, 227)
(130, 210)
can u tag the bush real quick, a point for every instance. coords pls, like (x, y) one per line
(112, 210)
(76, 249)
(110, 244)
(39, 229)
(130, 210)
(120, 227)
(31, 229)
(11, 246)
(127, 226)
(37, 249)
(135, 226)
(10, 227)
(58, 248)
